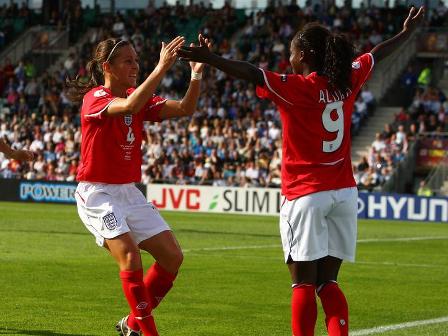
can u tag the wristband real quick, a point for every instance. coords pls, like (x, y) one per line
(196, 75)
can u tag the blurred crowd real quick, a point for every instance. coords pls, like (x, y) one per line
(424, 113)
(234, 138)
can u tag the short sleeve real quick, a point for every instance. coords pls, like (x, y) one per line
(280, 88)
(95, 103)
(153, 107)
(362, 68)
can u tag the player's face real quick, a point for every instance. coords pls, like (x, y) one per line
(124, 67)
(296, 59)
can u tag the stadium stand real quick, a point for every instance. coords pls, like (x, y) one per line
(234, 138)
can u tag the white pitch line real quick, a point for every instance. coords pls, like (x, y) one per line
(382, 329)
(257, 247)
(404, 239)
(399, 264)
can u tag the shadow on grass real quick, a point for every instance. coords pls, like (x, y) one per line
(11, 331)
(48, 232)
(250, 234)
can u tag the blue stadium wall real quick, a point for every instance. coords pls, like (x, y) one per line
(258, 201)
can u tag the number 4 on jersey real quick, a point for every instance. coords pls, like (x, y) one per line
(130, 138)
(333, 126)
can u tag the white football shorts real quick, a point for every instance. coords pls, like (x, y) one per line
(319, 225)
(110, 210)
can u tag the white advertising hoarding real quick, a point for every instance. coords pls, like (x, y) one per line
(267, 201)
(256, 201)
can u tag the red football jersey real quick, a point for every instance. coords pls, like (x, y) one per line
(111, 146)
(316, 128)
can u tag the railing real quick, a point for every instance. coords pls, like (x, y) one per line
(403, 174)
(21, 46)
(391, 67)
(438, 178)
(36, 38)
(432, 42)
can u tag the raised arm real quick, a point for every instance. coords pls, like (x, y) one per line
(21, 155)
(238, 69)
(384, 49)
(187, 106)
(135, 102)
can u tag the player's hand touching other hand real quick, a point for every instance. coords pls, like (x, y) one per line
(196, 54)
(168, 53)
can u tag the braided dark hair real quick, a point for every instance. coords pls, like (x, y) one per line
(105, 51)
(328, 54)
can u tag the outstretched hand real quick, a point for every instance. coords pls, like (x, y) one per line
(196, 54)
(168, 53)
(414, 18)
(22, 155)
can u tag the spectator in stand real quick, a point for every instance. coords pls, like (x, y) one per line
(425, 76)
(378, 144)
(424, 190)
(408, 83)
(368, 98)
(401, 117)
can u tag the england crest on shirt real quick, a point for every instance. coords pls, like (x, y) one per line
(128, 120)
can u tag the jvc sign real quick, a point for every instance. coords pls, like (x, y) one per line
(262, 201)
(267, 201)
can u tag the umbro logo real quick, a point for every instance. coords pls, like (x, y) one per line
(142, 305)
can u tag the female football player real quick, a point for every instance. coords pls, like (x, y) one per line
(109, 204)
(318, 217)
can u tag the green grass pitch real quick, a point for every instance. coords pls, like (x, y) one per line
(54, 280)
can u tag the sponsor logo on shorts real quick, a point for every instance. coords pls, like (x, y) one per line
(110, 221)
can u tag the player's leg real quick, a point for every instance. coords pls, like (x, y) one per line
(168, 255)
(342, 231)
(126, 252)
(332, 298)
(153, 235)
(304, 238)
(160, 277)
(303, 299)
(102, 213)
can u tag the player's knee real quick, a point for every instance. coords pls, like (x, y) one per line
(321, 285)
(130, 260)
(172, 260)
(177, 258)
(303, 284)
